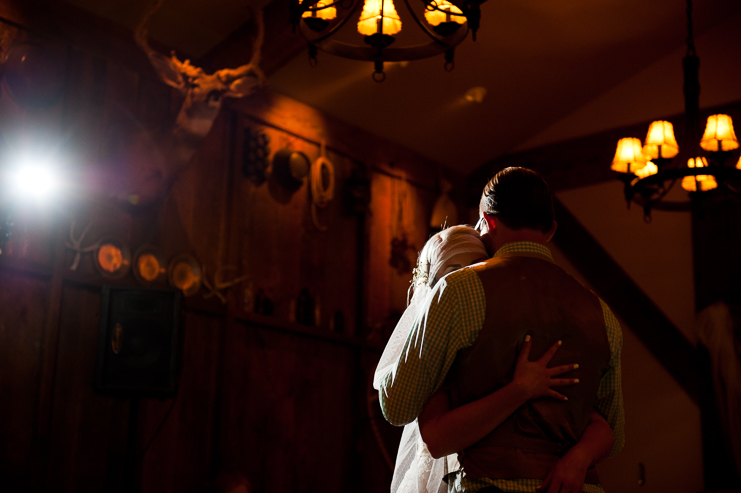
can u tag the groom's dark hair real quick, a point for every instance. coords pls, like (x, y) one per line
(520, 198)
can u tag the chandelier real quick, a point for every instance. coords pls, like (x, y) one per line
(650, 170)
(445, 25)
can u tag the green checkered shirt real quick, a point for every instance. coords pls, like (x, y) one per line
(450, 321)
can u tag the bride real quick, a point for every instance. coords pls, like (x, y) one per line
(417, 470)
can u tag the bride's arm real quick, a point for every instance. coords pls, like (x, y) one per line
(594, 445)
(448, 431)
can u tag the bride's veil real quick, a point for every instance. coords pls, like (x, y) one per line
(415, 470)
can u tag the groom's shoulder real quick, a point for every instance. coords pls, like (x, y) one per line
(462, 279)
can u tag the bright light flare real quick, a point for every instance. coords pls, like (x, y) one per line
(37, 181)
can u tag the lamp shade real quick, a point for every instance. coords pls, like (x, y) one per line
(660, 140)
(699, 183)
(719, 135)
(322, 11)
(629, 156)
(379, 16)
(648, 170)
(439, 11)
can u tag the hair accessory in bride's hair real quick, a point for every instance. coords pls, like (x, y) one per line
(420, 277)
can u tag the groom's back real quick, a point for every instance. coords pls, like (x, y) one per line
(530, 295)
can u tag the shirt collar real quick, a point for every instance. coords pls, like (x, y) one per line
(524, 247)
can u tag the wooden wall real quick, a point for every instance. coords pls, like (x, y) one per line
(282, 404)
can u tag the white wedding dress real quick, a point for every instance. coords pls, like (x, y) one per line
(416, 471)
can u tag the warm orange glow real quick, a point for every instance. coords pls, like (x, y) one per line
(148, 266)
(373, 20)
(719, 135)
(629, 156)
(738, 164)
(699, 183)
(697, 162)
(648, 170)
(328, 13)
(696, 184)
(110, 258)
(440, 11)
(661, 133)
(183, 276)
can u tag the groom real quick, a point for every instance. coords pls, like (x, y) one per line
(471, 331)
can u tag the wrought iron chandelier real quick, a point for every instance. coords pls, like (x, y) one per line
(445, 25)
(649, 171)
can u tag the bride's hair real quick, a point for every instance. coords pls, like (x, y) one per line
(438, 249)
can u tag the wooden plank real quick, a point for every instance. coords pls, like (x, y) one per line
(47, 365)
(81, 420)
(178, 458)
(287, 411)
(23, 300)
(627, 300)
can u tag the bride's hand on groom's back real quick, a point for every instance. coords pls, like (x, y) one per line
(535, 379)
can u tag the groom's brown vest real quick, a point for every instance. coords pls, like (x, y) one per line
(527, 294)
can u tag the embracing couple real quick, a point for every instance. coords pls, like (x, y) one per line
(504, 368)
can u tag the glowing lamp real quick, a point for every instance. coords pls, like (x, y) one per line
(323, 9)
(719, 135)
(701, 183)
(698, 183)
(660, 140)
(697, 162)
(439, 11)
(738, 164)
(629, 156)
(648, 170)
(379, 17)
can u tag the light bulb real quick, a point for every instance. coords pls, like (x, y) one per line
(379, 17)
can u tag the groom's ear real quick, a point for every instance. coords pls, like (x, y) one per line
(491, 223)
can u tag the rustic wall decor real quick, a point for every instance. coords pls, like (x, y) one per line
(75, 244)
(255, 152)
(203, 96)
(184, 273)
(218, 285)
(113, 259)
(150, 266)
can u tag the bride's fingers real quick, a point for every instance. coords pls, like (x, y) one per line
(525, 351)
(557, 370)
(559, 382)
(556, 395)
(549, 354)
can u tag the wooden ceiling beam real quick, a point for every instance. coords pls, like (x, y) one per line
(627, 300)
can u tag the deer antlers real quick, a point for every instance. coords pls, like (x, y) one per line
(75, 244)
(184, 76)
(203, 93)
(218, 285)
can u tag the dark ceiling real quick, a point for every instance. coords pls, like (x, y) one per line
(552, 70)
